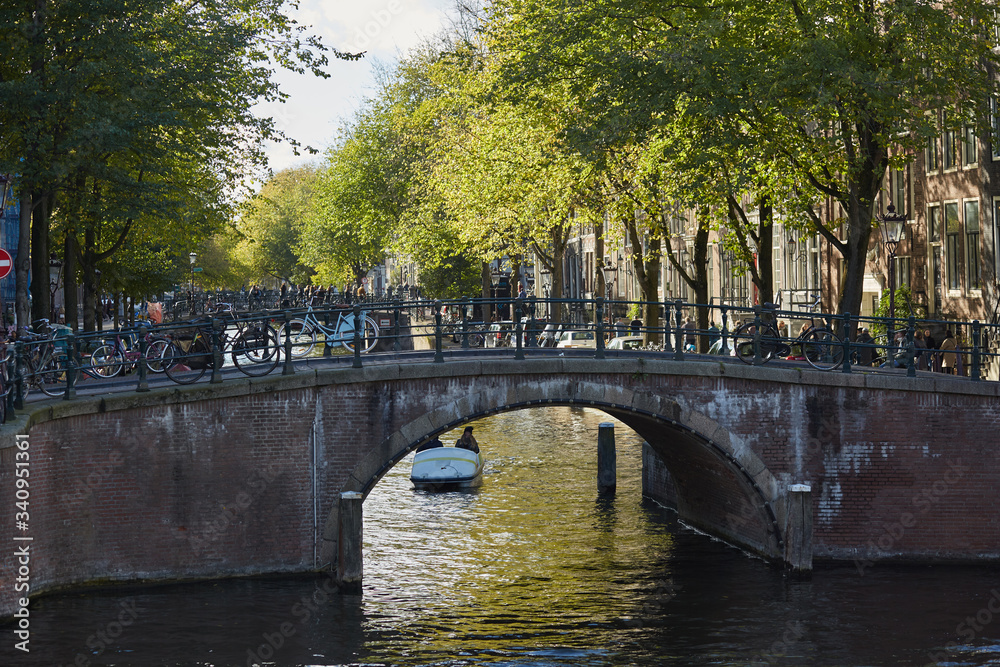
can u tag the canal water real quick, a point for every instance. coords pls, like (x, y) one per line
(534, 569)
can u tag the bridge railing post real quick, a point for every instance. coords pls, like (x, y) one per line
(21, 369)
(358, 340)
(143, 349)
(848, 329)
(216, 351)
(758, 359)
(724, 350)
(977, 352)
(678, 332)
(667, 347)
(599, 316)
(288, 368)
(70, 367)
(438, 334)
(911, 348)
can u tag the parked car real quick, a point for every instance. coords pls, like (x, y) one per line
(577, 339)
(625, 343)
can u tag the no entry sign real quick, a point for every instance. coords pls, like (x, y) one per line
(6, 263)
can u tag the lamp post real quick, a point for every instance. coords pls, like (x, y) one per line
(546, 276)
(891, 229)
(610, 271)
(194, 258)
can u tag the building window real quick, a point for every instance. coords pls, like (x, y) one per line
(932, 157)
(972, 264)
(949, 149)
(934, 223)
(902, 272)
(970, 146)
(995, 127)
(898, 190)
(952, 230)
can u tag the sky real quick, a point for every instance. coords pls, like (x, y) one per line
(384, 29)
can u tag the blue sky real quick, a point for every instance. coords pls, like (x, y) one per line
(385, 29)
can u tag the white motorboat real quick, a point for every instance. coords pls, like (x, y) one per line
(446, 469)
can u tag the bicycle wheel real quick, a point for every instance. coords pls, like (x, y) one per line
(52, 376)
(256, 351)
(369, 336)
(106, 362)
(303, 337)
(181, 367)
(822, 349)
(743, 342)
(154, 355)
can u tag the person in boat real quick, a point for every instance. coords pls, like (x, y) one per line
(468, 441)
(430, 444)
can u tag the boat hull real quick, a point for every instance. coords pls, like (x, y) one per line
(446, 469)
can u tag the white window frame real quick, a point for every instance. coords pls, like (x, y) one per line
(948, 274)
(976, 291)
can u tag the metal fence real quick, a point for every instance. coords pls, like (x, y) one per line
(257, 341)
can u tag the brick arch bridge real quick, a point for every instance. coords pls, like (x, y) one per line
(246, 477)
(689, 451)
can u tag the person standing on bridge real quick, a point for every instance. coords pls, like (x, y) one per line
(468, 441)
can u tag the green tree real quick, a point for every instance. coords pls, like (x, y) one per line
(272, 223)
(841, 91)
(140, 108)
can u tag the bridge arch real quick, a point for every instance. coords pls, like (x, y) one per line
(712, 480)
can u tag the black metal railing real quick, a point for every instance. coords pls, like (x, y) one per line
(229, 341)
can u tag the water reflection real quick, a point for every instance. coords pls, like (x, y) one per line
(534, 568)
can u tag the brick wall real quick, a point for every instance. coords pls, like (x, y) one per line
(244, 478)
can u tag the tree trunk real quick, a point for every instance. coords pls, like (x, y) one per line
(41, 303)
(486, 280)
(22, 265)
(69, 280)
(647, 272)
(93, 314)
(765, 254)
(558, 276)
(700, 285)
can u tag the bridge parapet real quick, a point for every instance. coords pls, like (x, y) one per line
(244, 477)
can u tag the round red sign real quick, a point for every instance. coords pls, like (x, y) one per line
(6, 263)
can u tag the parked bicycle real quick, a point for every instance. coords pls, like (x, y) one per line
(304, 332)
(45, 359)
(252, 346)
(120, 354)
(817, 345)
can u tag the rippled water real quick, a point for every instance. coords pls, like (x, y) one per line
(533, 569)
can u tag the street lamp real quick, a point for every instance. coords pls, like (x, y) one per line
(194, 258)
(891, 228)
(546, 276)
(610, 271)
